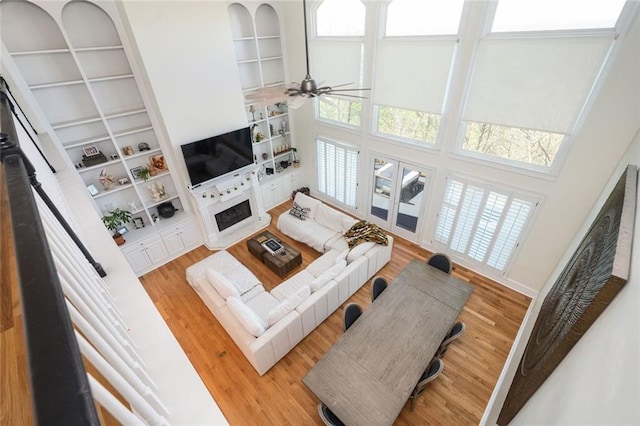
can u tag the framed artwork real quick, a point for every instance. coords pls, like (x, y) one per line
(93, 190)
(158, 162)
(135, 172)
(90, 150)
(588, 283)
(138, 222)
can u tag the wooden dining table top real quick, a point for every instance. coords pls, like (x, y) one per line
(370, 372)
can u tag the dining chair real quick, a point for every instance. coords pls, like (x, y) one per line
(435, 368)
(441, 261)
(350, 314)
(378, 285)
(328, 417)
(454, 333)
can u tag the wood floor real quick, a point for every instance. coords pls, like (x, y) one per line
(472, 365)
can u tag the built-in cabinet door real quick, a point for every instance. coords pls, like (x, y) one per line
(182, 237)
(157, 251)
(138, 259)
(398, 193)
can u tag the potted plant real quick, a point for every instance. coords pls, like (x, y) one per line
(145, 173)
(114, 221)
(296, 162)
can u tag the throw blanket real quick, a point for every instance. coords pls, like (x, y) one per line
(363, 231)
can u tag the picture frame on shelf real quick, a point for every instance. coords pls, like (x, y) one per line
(138, 222)
(93, 190)
(90, 151)
(136, 172)
(123, 230)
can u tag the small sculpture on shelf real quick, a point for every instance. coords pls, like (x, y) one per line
(106, 180)
(133, 207)
(157, 191)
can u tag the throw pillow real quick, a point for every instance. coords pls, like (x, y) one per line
(301, 213)
(359, 250)
(327, 276)
(342, 255)
(288, 305)
(222, 284)
(245, 316)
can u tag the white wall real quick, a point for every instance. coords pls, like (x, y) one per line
(187, 52)
(598, 382)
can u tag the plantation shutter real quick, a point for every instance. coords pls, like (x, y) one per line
(337, 171)
(481, 223)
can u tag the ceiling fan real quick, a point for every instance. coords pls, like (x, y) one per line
(298, 93)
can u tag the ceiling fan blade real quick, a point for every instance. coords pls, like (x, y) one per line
(348, 90)
(327, 101)
(338, 85)
(348, 96)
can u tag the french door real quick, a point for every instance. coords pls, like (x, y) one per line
(398, 194)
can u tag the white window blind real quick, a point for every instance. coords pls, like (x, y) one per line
(482, 223)
(326, 54)
(337, 171)
(534, 83)
(412, 74)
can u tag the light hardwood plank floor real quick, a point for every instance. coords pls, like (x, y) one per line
(472, 364)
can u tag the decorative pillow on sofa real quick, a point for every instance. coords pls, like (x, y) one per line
(359, 250)
(288, 305)
(328, 275)
(301, 213)
(305, 201)
(222, 284)
(245, 316)
(329, 218)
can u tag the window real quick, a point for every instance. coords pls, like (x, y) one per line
(416, 126)
(340, 18)
(337, 166)
(339, 110)
(511, 143)
(482, 223)
(423, 17)
(339, 40)
(545, 15)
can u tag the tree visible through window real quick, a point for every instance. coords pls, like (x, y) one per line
(407, 124)
(511, 143)
(340, 110)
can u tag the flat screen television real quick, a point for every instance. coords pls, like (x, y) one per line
(216, 156)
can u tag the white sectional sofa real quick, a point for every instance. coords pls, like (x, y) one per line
(267, 325)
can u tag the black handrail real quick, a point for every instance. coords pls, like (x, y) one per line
(59, 385)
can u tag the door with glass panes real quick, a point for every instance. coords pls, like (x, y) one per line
(398, 193)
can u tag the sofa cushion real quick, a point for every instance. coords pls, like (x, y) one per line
(359, 250)
(327, 275)
(222, 285)
(337, 243)
(330, 218)
(348, 222)
(247, 317)
(262, 304)
(252, 293)
(292, 285)
(324, 262)
(308, 232)
(305, 201)
(288, 305)
(301, 213)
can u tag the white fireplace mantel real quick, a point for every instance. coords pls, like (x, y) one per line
(221, 194)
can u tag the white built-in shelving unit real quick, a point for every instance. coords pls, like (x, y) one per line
(78, 71)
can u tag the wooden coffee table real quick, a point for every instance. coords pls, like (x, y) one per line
(282, 262)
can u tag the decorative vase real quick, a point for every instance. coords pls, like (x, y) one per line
(119, 239)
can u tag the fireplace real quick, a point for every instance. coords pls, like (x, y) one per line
(233, 215)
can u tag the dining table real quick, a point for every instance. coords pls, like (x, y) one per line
(368, 375)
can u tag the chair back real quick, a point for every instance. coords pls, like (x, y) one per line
(441, 261)
(433, 370)
(350, 314)
(377, 286)
(455, 332)
(327, 416)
